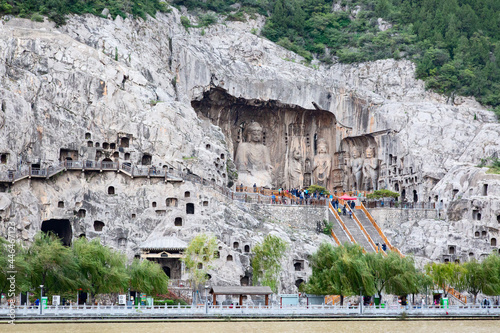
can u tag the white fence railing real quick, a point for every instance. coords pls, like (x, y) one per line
(246, 310)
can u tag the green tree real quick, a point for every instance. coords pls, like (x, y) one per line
(393, 273)
(148, 277)
(481, 277)
(52, 264)
(102, 269)
(13, 259)
(266, 261)
(444, 274)
(379, 194)
(199, 256)
(341, 270)
(472, 278)
(318, 189)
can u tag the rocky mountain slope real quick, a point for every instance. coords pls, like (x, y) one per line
(122, 90)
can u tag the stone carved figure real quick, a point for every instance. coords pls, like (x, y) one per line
(370, 169)
(295, 169)
(307, 173)
(357, 168)
(252, 158)
(322, 164)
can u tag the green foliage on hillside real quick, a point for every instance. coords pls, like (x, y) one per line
(56, 10)
(455, 43)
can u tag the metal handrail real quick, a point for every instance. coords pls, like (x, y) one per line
(342, 223)
(368, 237)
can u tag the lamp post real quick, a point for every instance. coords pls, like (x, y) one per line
(361, 301)
(41, 295)
(206, 299)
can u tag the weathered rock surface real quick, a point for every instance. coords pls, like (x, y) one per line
(95, 84)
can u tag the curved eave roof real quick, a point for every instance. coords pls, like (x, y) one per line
(164, 243)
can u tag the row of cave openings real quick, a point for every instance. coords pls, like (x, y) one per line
(170, 202)
(62, 229)
(452, 250)
(123, 142)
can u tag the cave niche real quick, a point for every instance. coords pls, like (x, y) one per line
(61, 228)
(291, 134)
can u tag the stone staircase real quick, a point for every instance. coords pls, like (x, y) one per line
(338, 232)
(357, 233)
(370, 229)
(349, 227)
(378, 236)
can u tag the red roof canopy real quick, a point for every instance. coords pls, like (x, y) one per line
(346, 197)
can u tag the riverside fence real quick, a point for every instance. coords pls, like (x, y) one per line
(217, 311)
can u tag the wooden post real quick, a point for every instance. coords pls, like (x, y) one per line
(267, 300)
(215, 299)
(241, 300)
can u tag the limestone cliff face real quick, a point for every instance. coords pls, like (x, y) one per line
(122, 90)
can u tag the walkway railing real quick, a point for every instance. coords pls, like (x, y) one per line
(397, 204)
(85, 311)
(381, 233)
(456, 294)
(339, 219)
(370, 240)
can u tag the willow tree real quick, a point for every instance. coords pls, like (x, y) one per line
(393, 274)
(52, 264)
(13, 267)
(266, 262)
(481, 277)
(341, 270)
(103, 269)
(444, 274)
(147, 277)
(198, 258)
(491, 266)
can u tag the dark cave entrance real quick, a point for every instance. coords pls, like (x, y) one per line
(61, 228)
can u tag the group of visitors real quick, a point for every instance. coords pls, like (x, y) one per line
(295, 196)
(343, 210)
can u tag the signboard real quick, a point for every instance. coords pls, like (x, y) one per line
(45, 301)
(122, 299)
(56, 300)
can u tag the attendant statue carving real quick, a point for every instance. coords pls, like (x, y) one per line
(252, 158)
(322, 164)
(357, 168)
(370, 169)
(295, 171)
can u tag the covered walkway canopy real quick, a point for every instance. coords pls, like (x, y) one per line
(240, 291)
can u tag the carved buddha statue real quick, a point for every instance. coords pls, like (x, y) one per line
(252, 158)
(370, 169)
(357, 168)
(322, 164)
